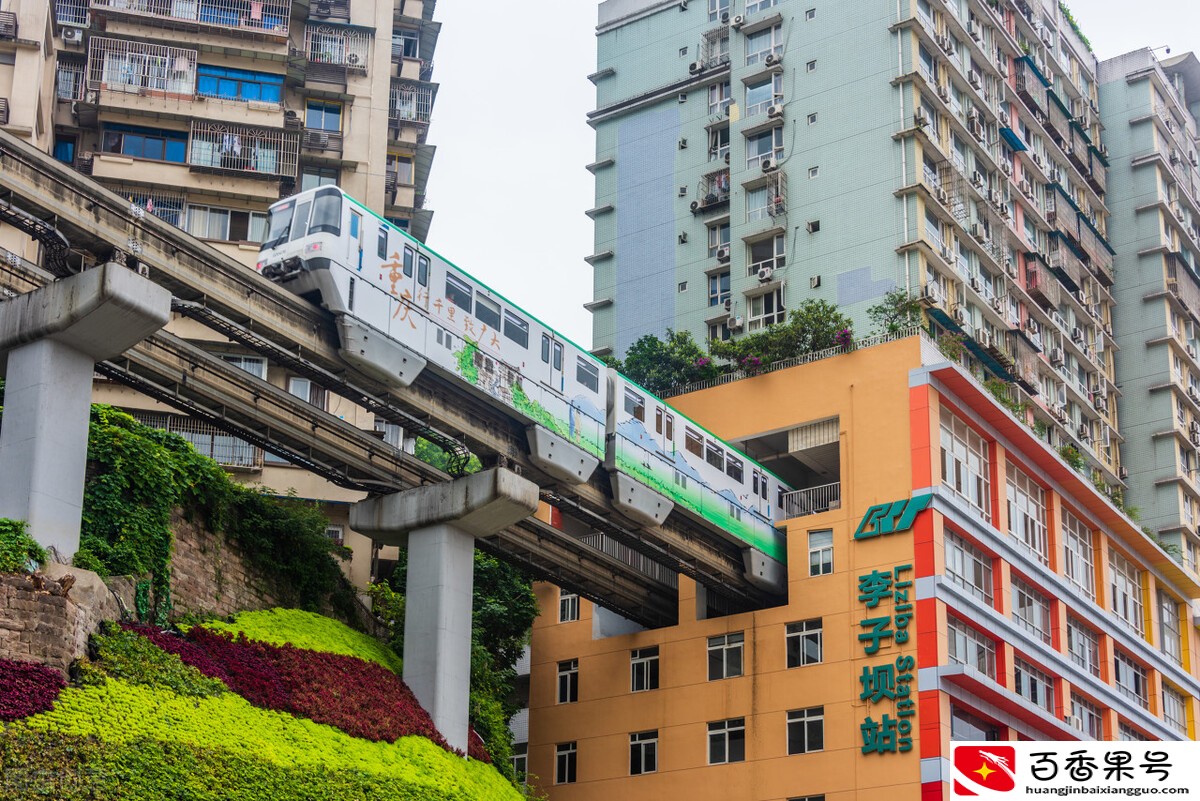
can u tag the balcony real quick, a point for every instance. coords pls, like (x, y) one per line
(3, 111)
(268, 18)
(71, 12)
(247, 152)
(1043, 287)
(409, 103)
(712, 192)
(340, 46)
(1182, 285)
(812, 500)
(140, 69)
(8, 25)
(1030, 87)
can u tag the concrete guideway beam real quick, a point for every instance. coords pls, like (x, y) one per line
(440, 523)
(50, 341)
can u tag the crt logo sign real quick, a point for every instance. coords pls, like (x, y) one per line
(890, 518)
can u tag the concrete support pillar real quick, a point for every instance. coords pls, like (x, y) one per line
(50, 341)
(439, 524)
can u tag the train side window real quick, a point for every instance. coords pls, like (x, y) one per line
(356, 226)
(516, 329)
(669, 427)
(635, 405)
(693, 442)
(545, 349)
(300, 221)
(382, 242)
(587, 374)
(763, 491)
(558, 353)
(658, 420)
(714, 455)
(487, 311)
(409, 255)
(458, 292)
(757, 476)
(779, 497)
(733, 468)
(422, 269)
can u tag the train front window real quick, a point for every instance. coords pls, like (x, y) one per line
(278, 225)
(327, 213)
(300, 221)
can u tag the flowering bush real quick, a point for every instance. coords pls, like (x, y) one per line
(27, 688)
(844, 338)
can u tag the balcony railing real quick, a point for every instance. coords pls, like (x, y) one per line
(410, 102)
(69, 83)
(812, 500)
(3, 111)
(712, 191)
(8, 25)
(123, 65)
(264, 16)
(338, 45)
(250, 152)
(71, 12)
(327, 141)
(224, 449)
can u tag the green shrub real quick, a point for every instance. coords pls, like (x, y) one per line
(17, 548)
(310, 631)
(125, 655)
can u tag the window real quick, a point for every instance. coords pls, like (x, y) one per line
(145, 143)
(1087, 715)
(759, 203)
(718, 237)
(1130, 678)
(306, 390)
(587, 374)
(568, 681)
(664, 423)
(718, 288)
(1027, 513)
(565, 763)
(714, 454)
(64, 149)
(1127, 732)
(969, 647)
(767, 144)
(761, 44)
(725, 656)
(719, 97)
(717, 9)
(635, 405)
(813, 172)
(229, 225)
(804, 643)
(459, 292)
(692, 442)
(969, 567)
(254, 365)
(768, 253)
(718, 143)
(1033, 685)
(643, 752)
(734, 467)
(322, 116)
(965, 463)
(683, 286)
(806, 730)
(568, 606)
(1171, 642)
(762, 94)
(812, 119)
(335, 534)
(810, 14)
(811, 66)
(520, 761)
(727, 741)
(643, 669)
(766, 310)
(487, 311)
(1078, 560)
(1083, 646)
(755, 6)
(1031, 609)
(1173, 709)
(1126, 583)
(312, 177)
(234, 84)
(406, 44)
(516, 329)
(720, 331)
(966, 726)
(820, 552)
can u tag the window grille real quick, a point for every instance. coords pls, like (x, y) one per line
(409, 102)
(123, 65)
(338, 45)
(265, 152)
(264, 16)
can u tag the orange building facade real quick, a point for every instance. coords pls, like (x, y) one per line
(963, 582)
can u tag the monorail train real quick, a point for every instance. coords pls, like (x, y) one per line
(400, 307)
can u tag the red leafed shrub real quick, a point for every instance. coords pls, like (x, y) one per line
(27, 688)
(476, 748)
(250, 666)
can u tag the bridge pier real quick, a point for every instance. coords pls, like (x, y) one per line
(439, 523)
(51, 339)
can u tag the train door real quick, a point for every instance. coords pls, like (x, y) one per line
(413, 284)
(354, 256)
(552, 358)
(664, 430)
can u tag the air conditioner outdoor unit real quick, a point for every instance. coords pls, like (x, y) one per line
(974, 79)
(1026, 187)
(1123, 473)
(737, 22)
(974, 30)
(773, 60)
(985, 339)
(942, 197)
(1006, 167)
(919, 118)
(947, 254)
(977, 230)
(944, 92)
(769, 165)
(998, 304)
(1037, 159)
(735, 323)
(775, 110)
(977, 178)
(71, 35)
(696, 66)
(1195, 439)
(994, 197)
(976, 284)
(932, 292)
(1191, 351)
(1076, 334)
(723, 253)
(724, 17)
(1010, 267)
(765, 273)
(960, 315)
(1056, 357)
(1002, 67)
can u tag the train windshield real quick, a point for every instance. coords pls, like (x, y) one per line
(279, 225)
(326, 213)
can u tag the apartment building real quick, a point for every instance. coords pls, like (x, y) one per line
(1154, 202)
(752, 154)
(960, 582)
(203, 113)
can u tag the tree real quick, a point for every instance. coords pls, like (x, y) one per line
(658, 365)
(814, 326)
(894, 313)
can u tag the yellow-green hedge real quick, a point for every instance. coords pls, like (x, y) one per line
(311, 631)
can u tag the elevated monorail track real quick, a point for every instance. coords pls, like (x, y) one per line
(606, 559)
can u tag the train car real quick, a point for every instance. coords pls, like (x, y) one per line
(659, 459)
(401, 307)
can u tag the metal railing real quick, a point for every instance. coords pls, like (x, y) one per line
(163, 204)
(207, 439)
(812, 500)
(69, 82)
(8, 25)
(330, 141)
(337, 45)
(265, 16)
(409, 102)
(71, 12)
(639, 562)
(265, 152)
(123, 65)
(3, 111)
